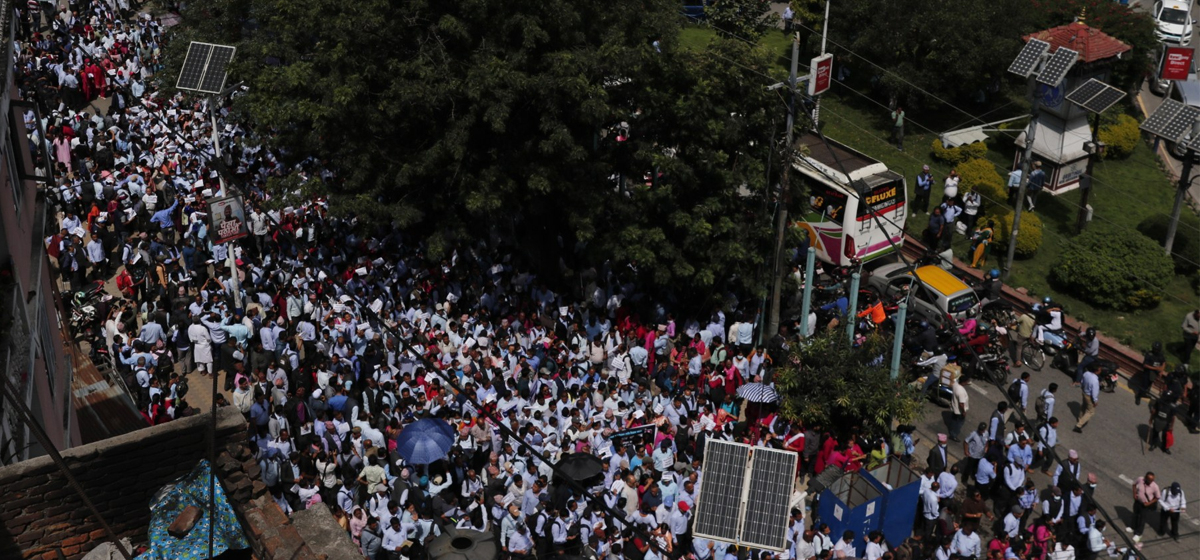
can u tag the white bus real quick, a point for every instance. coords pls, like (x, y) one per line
(856, 205)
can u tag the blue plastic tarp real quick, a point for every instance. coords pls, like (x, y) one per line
(192, 490)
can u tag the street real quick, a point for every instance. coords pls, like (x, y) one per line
(1149, 102)
(1109, 446)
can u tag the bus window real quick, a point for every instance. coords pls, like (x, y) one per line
(824, 200)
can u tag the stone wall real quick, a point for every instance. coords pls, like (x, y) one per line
(40, 513)
(271, 534)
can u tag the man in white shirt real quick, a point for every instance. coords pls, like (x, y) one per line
(966, 544)
(845, 547)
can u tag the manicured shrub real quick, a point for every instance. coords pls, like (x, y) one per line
(1110, 268)
(1029, 239)
(1120, 138)
(1186, 250)
(981, 176)
(960, 154)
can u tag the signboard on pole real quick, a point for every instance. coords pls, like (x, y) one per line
(820, 74)
(1177, 64)
(227, 220)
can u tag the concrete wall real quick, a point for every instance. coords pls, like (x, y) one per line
(40, 512)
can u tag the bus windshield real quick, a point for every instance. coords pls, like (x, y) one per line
(882, 199)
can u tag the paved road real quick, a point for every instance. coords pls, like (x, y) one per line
(1150, 101)
(1110, 446)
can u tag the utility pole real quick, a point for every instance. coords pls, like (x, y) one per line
(785, 196)
(816, 116)
(1026, 161)
(1093, 149)
(1189, 157)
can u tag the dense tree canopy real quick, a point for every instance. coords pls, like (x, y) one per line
(959, 48)
(473, 117)
(828, 382)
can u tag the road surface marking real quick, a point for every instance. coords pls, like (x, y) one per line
(978, 389)
(1191, 520)
(1125, 479)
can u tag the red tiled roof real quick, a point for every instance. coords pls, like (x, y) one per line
(1091, 43)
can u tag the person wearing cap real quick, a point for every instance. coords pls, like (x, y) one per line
(939, 456)
(1067, 474)
(924, 188)
(1012, 521)
(1173, 505)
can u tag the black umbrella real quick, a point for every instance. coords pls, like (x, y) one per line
(581, 467)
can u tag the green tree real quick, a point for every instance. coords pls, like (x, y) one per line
(576, 130)
(1133, 27)
(950, 48)
(834, 384)
(745, 19)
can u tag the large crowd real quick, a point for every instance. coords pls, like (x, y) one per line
(334, 335)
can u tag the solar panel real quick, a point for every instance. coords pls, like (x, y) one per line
(1172, 121)
(214, 75)
(772, 479)
(1086, 91)
(1028, 58)
(1056, 68)
(744, 494)
(193, 66)
(1095, 96)
(205, 67)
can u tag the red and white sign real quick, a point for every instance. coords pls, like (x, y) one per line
(820, 74)
(1177, 64)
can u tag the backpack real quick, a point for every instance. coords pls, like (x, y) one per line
(270, 472)
(999, 417)
(1040, 404)
(1014, 391)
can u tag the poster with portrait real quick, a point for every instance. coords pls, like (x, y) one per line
(227, 219)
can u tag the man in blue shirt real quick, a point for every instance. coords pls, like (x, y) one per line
(924, 186)
(935, 229)
(1037, 180)
(1090, 384)
(165, 221)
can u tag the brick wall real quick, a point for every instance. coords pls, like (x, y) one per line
(271, 534)
(40, 513)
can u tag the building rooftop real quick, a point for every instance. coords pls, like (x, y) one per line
(1091, 43)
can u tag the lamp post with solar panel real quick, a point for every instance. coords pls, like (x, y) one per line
(204, 71)
(1173, 121)
(1095, 97)
(1038, 67)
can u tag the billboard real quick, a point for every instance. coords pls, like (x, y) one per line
(227, 219)
(820, 74)
(1177, 64)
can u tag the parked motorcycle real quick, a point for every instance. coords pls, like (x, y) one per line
(83, 308)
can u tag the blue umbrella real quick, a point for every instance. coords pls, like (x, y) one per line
(425, 441)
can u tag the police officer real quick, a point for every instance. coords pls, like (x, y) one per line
(1153, 368)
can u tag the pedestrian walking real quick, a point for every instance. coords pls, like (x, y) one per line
(788, 16)
(1014, 186)
(898, 127)
(1033, 187)
(1090, 387)
(959, 404)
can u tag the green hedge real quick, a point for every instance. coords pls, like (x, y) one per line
(1112, 269)
(1120, 138)
(1186, 249)
(980, 175)
(955, 156)
(1029, 239)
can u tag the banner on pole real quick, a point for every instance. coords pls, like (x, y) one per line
(1177, 64)
(227, 219)
(820, 74)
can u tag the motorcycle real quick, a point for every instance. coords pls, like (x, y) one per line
(83, 308)
(1107, 372)
(1063, 355)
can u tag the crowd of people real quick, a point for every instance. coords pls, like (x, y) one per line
(331, 336)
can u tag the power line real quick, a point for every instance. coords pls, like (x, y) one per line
(1095, 182)
(849, 121)
(1063, 200)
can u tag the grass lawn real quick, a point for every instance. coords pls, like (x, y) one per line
(1125, 193)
